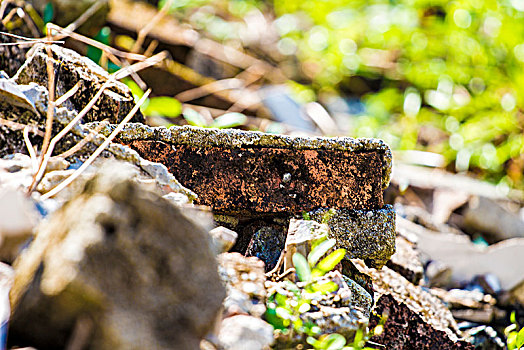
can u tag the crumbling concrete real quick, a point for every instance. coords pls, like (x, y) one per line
(365, 234)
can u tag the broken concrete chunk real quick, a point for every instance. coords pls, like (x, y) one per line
(18, 217)
(405, 329)
(123, 257)
(467, 260)
(242, 332)
(244, 278)
(252, 172)
(406, 260)
(70, 68)
(425, 306)
(365, 234)
(223, 239)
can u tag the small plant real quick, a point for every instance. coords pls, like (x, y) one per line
(291, 300)
(514, 337)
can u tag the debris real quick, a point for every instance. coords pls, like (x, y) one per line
(223, 238)
(406, 260)
(162, 289)
(242, 332)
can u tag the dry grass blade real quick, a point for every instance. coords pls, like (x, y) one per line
(29, 43)
(145, 30)
(211, 88)
(151, 61)
(51, 102)
(107, 49)
(9, 16)
(68, 94)
(84, 141)
(18, 126)
(62, 133)
(84, 16)
(99, 150)
(30, 149)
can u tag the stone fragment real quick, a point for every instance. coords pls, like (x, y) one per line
(244, 278)
(300, 237)
(18, 218)
(467, 260)
(405, 329)
(223, 239)
(124, 258)
(242, 332)
(70, 68)
(365, 234)
(409, 305)
(406, 260)
(252, 172)
(266, 244)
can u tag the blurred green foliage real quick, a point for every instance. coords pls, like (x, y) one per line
(442, 76)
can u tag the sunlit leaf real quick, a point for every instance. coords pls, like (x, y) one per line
(194, 118)
(301, 267)
(229, 120)
(320, 250)
(163, 106)
(520, 338)
(329, 262)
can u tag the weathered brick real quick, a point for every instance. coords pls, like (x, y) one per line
(237, 171)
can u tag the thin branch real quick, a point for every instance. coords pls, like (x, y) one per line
(18, 126)
(30, 149)
(84, 141)
(150, 25)
(68, 94)
(3, 6)
(7, 18)
(99, 150)
(20, 36)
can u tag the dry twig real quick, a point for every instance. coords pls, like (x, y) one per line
(18, 126)
(30, 149)
(84, 141)
(150, 25)
(99, 150)
(68, 94)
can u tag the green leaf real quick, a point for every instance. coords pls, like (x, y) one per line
(329, 262)
(324, 287)
(513, 317)
(302, 267)
(272, 318)
(512, 340)
(163, 106)
(320, 250)
(49, 12)
(333, 341)
(194, 118)
(520, 338)
(135, 89)
(229, 120)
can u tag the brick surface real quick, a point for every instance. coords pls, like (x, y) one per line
(245, 174)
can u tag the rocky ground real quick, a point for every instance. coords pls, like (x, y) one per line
(185, 237)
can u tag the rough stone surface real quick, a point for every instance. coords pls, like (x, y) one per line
(126, 259)
(223, 239)
(430, 317)
(406, 260)
(70, 67)
(12, 56)
(406, 330)
(244, 278)
(365, 234)
(267, 244)
(240, 171)
(243, 332)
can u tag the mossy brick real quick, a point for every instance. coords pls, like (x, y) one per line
(236, 171)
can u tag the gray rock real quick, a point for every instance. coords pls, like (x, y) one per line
(126, 259)
(223, 239)
(365, 234)
(266, 244)
(70, 67)
(245, 332)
